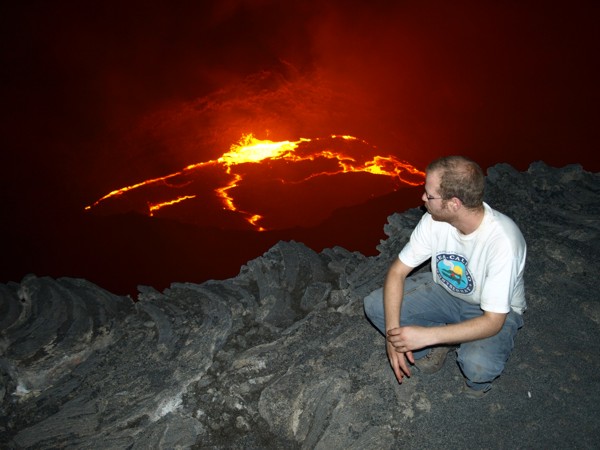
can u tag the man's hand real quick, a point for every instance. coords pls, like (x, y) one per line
(405, 339)
(398, 361)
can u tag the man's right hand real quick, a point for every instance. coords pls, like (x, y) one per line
(399, 362)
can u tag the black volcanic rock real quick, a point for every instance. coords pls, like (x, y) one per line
(281, 356)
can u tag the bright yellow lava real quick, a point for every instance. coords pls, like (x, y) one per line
(252, 150)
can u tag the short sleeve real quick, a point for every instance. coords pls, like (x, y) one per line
(418, 249)
(504, 267)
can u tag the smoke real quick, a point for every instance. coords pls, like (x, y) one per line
(497, 82)
(137, 89)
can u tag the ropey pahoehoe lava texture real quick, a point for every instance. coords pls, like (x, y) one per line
(281, 355)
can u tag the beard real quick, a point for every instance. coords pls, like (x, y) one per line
(441, 214)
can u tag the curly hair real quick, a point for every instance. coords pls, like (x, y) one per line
(460, 177)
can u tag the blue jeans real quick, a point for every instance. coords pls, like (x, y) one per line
(427, 304)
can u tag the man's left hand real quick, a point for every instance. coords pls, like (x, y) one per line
(409, 338)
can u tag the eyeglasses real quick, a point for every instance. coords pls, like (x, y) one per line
(431, 197)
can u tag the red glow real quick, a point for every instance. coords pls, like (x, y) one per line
(264, 164)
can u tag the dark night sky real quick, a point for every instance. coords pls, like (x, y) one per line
(99, 95)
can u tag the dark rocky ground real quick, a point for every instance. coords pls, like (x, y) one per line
(281, 355)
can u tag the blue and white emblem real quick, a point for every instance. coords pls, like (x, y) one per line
(452, 270)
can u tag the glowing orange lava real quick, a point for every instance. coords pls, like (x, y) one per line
(250, 150)
(156, 206)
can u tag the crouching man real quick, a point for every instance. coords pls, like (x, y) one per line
(473, 298)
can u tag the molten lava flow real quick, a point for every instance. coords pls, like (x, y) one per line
(156, 206)
(251, 151)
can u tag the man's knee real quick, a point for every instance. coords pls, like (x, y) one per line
(484, 360)
(373, 306)
(479, 364)
(373, 303)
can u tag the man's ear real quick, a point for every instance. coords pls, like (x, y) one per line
(456, 203)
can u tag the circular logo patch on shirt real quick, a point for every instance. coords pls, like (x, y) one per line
(453, 272)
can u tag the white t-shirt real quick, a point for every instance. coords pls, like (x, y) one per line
(483, 268)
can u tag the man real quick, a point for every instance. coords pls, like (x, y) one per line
(474, 295)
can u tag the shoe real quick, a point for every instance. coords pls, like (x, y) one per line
(472, 393)
(434, 360)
